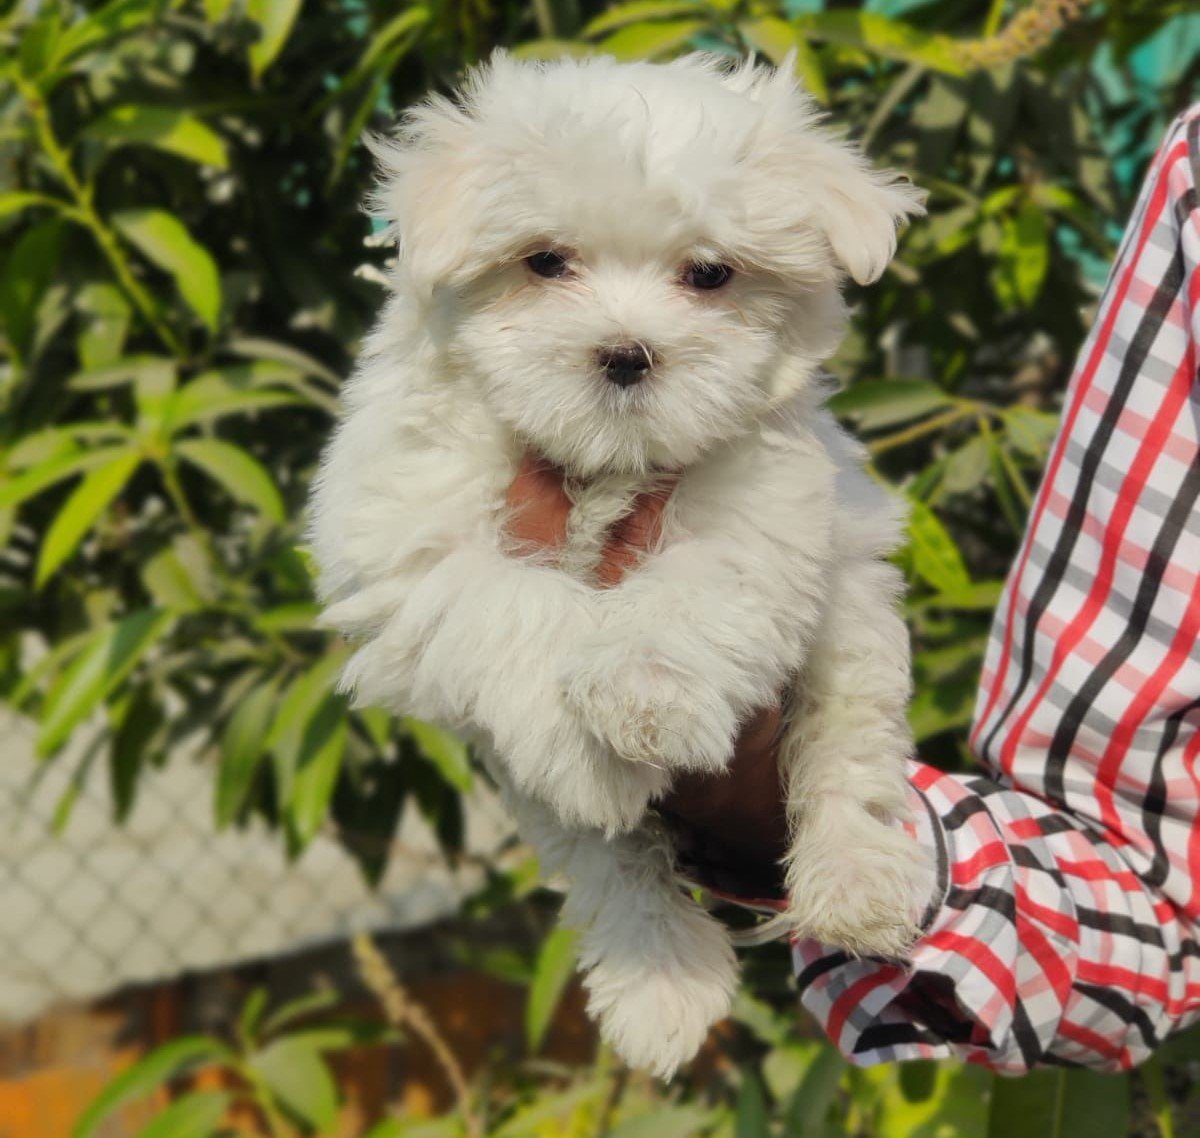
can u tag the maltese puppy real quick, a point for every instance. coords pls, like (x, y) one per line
(633, 271)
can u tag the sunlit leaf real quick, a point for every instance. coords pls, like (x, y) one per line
(243, 749)
(86, 503)
(1024, 257)
(164, 240)
(967, 467)
(885, 36)
(649, 40)
(878, 403)
(297, 1076)
(30, 267)
(166, 128)
(55, 469)
(445, 751)
(195, 1115)
(107, 317)
(555, 966)
(637, 11)
(1029, 430)
(935, 556)
(274, 19)
(154, 1070)
(242, 475)
(775, 38)
(316, 771)
(112, 652)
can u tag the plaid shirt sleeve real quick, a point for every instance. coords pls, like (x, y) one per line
(1066, 928)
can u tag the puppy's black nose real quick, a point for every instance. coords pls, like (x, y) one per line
(624, 364)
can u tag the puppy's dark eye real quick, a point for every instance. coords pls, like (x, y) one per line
(547, 263)
(707, 277)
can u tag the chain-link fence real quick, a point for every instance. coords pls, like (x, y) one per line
(92, 906)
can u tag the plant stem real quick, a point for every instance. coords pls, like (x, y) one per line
(85, 213)
(402, 1011)
(1156, 1088)
(995, 15)
(925, 427)
(545, 18)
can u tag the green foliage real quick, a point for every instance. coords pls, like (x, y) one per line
(185, 280)
(277, 1068)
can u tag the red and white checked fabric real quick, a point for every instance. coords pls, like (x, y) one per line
(1067, 926)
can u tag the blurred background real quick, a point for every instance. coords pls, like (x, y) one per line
(193, 828)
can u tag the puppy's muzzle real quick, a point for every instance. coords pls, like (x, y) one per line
(625, 364)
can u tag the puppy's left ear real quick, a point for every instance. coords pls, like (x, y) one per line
(860, 209)
(856, 207)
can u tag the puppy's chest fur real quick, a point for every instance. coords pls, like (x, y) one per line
(597, 505)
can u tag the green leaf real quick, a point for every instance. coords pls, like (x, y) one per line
(1029, 430)
(982, 596)
(967, 467)
(881, 35)
(180, 577)
(154, 1070)
(53, 470)
(114, 19)
(555, 966)
(1024, 257)
(107, 315)
(684, 1121)
(214, 395)
(878, 403)
(552, 49)
(1060, 1104)
(636, 12)
(650, 40)
(935, 556)
(30, 267)
(917, 1080)
(274, 19)
(446, 752)
(774, 38)
(238, 472)
(297, 1009)
(164, 240)
(299, 616)
(398, 31)
(17, 200)
(131, 747)
(297, 1076)
(317, 767)
(79, 512)
(109, 656)
(751, 1118)
(165, 128)
(243, 748)
(197, 1115)
(809, 1106)
(139, 370)
(295, 710)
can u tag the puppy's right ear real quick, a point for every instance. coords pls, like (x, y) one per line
(429, 192)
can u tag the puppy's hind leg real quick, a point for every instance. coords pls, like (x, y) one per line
(659, 970)
(855, 878)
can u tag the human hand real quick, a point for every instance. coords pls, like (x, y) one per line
(732, 822)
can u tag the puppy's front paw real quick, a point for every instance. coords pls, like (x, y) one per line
(595, 789)
(649, 710)
(656, 1000)
(864, 892)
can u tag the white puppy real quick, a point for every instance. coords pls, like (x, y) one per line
(633, 270)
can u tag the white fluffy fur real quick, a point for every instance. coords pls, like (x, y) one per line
(770, 574)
